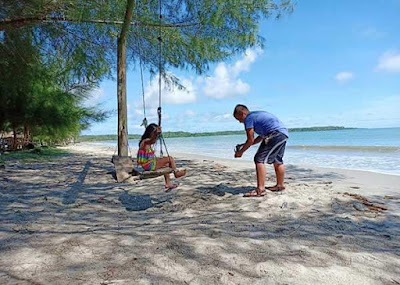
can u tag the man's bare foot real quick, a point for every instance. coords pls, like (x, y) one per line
(180, 173)
(255, 193)
(276, 188)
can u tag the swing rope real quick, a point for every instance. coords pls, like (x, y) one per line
(144, 123)
(159, 109)
(159, 73)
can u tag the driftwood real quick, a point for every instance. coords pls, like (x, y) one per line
(371, 206)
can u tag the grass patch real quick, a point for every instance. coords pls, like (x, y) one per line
(33, 155)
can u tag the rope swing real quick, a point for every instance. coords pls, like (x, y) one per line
(124, 166)
(160, 64)
(159, 75)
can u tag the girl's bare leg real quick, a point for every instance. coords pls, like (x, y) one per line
(170, 161)
(177, 173)
(162, 162)
(167, 180)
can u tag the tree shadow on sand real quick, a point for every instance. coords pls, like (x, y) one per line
(114, 233)
(222, 189)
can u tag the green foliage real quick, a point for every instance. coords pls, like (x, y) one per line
(194, 33)
(37, 154)
(33, 95)
(58, 116)
(18, 68)
(200, 32)
(75, 41)
(204, 134)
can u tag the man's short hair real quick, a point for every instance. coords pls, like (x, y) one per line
(239, 109)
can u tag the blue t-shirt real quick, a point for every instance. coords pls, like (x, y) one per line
(264, 123)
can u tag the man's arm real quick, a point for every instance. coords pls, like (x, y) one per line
(249, 142)
(258, 140)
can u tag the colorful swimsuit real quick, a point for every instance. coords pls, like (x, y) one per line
(147, 159)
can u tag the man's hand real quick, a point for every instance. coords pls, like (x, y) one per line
(238, 154)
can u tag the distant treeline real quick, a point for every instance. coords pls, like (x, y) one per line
(204, 134)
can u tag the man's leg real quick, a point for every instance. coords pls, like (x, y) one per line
(261, 173)
(280, 174)
(259, 159)
(276, 157)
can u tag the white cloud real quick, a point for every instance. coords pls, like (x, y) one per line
(389, 61)
(170, 94)
(344, 76)
(95, 97)
(190, 113)
(245, 62)
(107, 127)
(138, 111)
(223, 117)
(151, 113)
(226, 82)
(378, 113)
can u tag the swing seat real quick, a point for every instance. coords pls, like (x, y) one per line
(143, 174)
(124, 169)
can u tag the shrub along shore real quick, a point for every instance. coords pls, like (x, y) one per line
(89, 138)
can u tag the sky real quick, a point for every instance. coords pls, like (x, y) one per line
(333, 63)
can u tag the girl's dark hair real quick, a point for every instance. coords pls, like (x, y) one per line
(148, 132)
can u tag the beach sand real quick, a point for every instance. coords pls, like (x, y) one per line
(69, 222)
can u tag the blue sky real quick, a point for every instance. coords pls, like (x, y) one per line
(327, 63)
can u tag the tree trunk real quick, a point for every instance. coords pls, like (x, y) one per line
(14, 144)
(27, 135)
(121, 78)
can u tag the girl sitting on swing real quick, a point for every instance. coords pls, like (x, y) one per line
(146, 156)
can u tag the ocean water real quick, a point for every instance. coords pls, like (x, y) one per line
(376, 150)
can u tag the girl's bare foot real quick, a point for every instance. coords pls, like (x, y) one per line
(180, 173)
(170, 187)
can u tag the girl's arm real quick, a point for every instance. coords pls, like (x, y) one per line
(145, 142)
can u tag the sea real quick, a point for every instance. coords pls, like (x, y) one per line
(376, 150)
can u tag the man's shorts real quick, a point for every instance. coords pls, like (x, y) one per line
(271, 149)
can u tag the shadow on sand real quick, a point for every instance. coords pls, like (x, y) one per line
(102, 231)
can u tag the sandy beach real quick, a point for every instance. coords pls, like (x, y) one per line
(68, 222)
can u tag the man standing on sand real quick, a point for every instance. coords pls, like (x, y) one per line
(273, 136)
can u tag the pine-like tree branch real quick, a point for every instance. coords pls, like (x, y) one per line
(19, 22)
